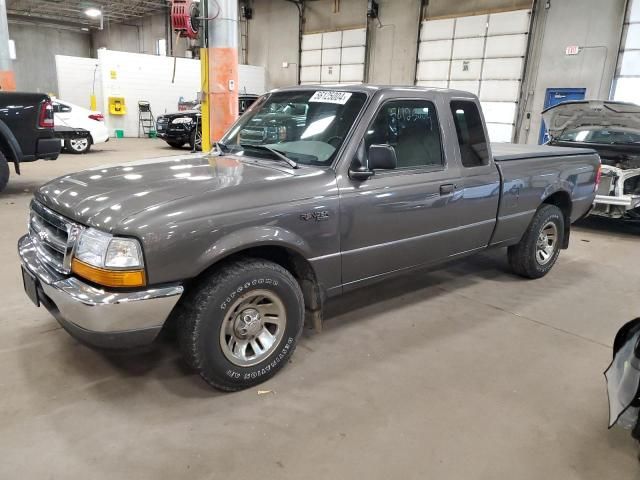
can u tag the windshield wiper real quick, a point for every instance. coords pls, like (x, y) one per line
(277, 153)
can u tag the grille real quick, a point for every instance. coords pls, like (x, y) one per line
(53, 237)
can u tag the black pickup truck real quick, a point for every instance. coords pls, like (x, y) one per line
(26, 131)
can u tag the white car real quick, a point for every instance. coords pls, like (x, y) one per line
(69, 115)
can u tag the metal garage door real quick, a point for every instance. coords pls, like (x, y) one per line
(333, 57)
(626, 85)
(483, 54)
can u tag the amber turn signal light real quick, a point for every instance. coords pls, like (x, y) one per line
(109, 278)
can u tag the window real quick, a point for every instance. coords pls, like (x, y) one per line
(471, 139)
(59, 108)
(411, 128)
(161, 47)
(307, 126)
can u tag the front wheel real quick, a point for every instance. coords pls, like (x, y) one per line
(241, 324)
(77, 145)
(538, 250)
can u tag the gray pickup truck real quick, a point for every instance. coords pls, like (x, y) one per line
(313, 192)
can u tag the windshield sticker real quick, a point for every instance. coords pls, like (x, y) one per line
(326, 96)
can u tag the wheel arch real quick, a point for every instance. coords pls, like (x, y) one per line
(562, 200)
(287, 256)
(9, 146)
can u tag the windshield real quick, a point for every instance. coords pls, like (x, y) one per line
(601, 135)
(306, 126)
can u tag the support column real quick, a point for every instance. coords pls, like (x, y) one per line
(7, 77)
(222, 53)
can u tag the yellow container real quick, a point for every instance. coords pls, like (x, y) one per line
(117, 106)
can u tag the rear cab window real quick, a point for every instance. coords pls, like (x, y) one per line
(472, 141)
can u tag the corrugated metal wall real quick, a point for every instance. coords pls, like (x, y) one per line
(482, 54)
(333, 57)
(627, 80)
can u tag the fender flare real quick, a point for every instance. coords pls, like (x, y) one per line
(9, 139)
(252, 237)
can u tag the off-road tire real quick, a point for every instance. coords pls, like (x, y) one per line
(175, 144)
(4, 171)
(201, 314)
(522, 256)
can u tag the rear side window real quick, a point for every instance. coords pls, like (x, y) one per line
(471, 139)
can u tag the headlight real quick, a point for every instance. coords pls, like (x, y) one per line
(107, 260)
(182, 120)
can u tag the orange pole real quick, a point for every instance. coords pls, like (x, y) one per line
(223, 90)
(7, 80)
(222, 54)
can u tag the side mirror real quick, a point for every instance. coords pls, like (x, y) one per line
(382, 157)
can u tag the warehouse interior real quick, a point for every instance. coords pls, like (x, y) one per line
(456, 369)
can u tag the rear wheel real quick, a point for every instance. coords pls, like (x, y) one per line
(539, 247)
(240, 326)
(4, 171)
(77, 145)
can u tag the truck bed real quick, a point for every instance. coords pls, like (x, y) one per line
(504, 152)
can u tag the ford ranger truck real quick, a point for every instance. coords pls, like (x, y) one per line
(235, 248)
(26, 131)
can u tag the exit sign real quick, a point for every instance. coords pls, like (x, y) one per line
(572, 50)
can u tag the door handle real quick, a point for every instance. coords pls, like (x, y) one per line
(447, 188)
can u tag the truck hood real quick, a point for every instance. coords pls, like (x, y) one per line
(597, 113)
(103, 197)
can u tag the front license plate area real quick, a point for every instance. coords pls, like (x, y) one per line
(30, 286)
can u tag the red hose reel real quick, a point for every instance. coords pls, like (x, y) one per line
(184, 17)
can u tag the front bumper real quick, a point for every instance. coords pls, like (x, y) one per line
(102, 318)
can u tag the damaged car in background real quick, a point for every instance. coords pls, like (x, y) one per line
(613, 130)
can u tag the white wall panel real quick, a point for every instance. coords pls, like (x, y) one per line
(352, 73)
(330, 74)
(311, 57)
(468, 47)
(312, 41)
(472, 86)
(508, 22)
(437, 70)
(474, 26)
(499, 132)
(352, 55)
(506, 46)
(332, 39)
(354, 38)
(76, 79)
(331, 56)
(437, 29)
(500, 90)
(432, 83)
(435, 50)
(633, 12)
(466, 69)
(310, 74)
(499, 112)
(502, 68)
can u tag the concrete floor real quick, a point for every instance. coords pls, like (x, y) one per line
(465, 372)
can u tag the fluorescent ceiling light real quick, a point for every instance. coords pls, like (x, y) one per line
(92, 12)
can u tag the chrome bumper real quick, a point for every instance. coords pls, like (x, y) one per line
(91, 312)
